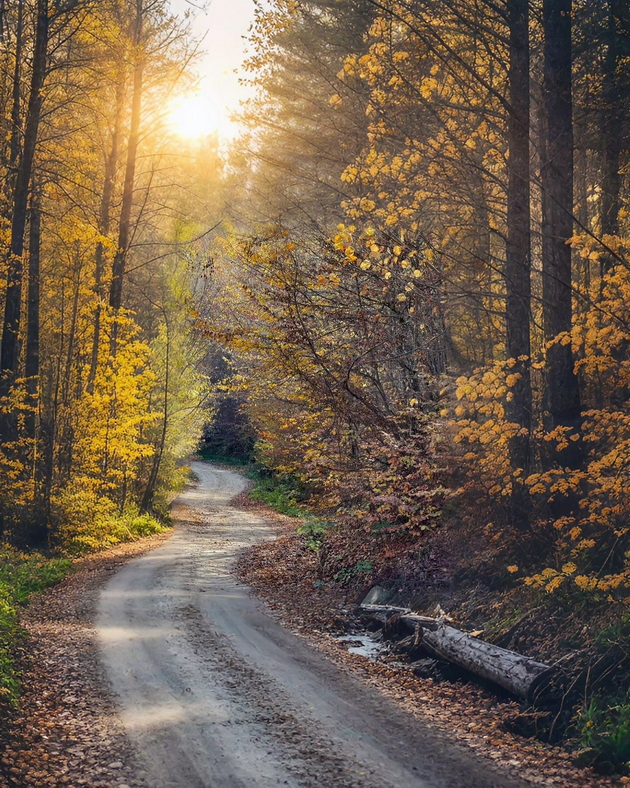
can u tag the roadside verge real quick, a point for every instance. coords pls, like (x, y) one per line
(65, 731)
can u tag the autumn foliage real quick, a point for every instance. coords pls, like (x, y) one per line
(102, 391)
(373, 294)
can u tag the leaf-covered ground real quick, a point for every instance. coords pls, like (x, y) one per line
(284, 573)
(66, 731)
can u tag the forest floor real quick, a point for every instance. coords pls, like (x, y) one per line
(285, 574)
(286, 712)
(67, 730)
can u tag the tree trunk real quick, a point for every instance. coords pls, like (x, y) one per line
(40, 516)
(582, 274)
(9, 349)
(32, 320)
(67, 426)
(562, 394)
(120, 258)
(614, 119)
(149, 492)
(104, 222)
(518, 256)
(16, 102)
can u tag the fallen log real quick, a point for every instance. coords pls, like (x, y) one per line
(522, 676)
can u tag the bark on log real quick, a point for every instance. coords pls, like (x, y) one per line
(520, 675)
(396, 621)
(404, 614)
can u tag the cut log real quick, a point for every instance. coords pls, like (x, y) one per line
(520, 675)
(373, 620)
(387, 617)
(404, 614)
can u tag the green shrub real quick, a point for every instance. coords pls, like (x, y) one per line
(315, 533)
(282, 493)
(9, 633)
(131, 525)
(23, 574)
(604, 734)
(86, 521)
(616, 634)
(360, 569)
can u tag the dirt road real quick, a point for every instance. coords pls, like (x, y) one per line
(213, 692)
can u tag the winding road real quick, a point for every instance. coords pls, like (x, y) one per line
(213, 692)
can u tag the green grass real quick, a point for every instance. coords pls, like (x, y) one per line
(21, 574)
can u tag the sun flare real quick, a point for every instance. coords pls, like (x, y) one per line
(196, 115)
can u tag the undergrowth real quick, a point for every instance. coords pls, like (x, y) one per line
(282, 492)
(232, 460)
(83, 523)
(603, 729)
(87, 522)
(21, 574)
(596, 723)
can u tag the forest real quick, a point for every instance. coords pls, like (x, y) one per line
(401, 298)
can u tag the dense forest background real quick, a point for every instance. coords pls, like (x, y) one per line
(102, 372)
(404, 293)
(426, 290)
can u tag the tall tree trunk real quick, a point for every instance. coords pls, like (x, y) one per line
(562, 393)
(104, 224)
(40, 516)
(32, 320)
(614, 118)
(149, 492)
(16, 102)
(583, 273)
(518, 256)
(66, 434)
(120, 258)
(9, 349)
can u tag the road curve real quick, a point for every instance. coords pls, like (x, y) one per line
(213, 692)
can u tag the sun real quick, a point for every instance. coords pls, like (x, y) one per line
(196, 115)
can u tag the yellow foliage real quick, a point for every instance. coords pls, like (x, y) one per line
(602, 486)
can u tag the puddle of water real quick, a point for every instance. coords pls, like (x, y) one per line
(364, 645)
